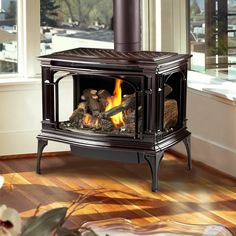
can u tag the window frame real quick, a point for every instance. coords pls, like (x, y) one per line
(215, 33)
(28, 25)
(29, 36)
(28, 16)
(208, 85)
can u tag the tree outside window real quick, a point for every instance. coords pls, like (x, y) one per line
(69, 24)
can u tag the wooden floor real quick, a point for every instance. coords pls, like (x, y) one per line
(115, 189)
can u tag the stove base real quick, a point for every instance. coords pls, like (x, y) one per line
(150, 152)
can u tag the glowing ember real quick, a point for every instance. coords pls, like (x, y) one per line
(96, 123)
(87, 119)
(90, 122)
(114, 101)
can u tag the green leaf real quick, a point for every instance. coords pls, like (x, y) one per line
(28, 222)
(67, 232)
(44, 224)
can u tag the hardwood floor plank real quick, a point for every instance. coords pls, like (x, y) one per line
(114, 189)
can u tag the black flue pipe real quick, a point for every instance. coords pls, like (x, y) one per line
(126, 25)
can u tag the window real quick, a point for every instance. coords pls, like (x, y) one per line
(64, 24)
(75, 23)
(213, 37)
(8, 36)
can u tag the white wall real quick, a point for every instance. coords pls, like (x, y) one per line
(213, 127)
(21, 115)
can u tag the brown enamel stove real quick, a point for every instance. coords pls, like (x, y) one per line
(128, 105)
(147, 90)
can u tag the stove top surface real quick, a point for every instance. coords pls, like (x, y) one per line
(110, 54)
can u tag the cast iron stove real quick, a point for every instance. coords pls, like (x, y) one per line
(152, 103)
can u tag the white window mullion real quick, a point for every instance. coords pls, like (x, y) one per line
(149, 24)
(180, 26)
(165, 25)
(173, 25)
(30, 37)
(158, 26)
(20, 37)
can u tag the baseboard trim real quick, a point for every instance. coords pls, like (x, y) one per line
(34, 155)
(202, 165)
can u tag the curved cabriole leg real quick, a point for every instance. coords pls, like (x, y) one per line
(187, 143)
(154, 164)
(41, 145)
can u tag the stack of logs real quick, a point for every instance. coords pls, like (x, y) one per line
(91, 113)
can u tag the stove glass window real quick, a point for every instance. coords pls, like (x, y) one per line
(105, 105)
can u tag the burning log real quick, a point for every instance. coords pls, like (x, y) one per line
(103, 103)
(129, 115)
(90, 121)
(93, 96)
(103, 94)
(89, 92)
(106, 125)
(94, 106)
(79, 112)
(128, 102)
(97, 123)
(126, 96)
(83, 106)
(90, 95)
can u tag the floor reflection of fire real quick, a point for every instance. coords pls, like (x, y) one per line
(100, 111)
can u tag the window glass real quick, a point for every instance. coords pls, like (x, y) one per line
(67, 24)
(8, 36)
(213, 37)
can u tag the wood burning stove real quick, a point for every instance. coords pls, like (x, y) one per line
(152, 102)
(125, 99)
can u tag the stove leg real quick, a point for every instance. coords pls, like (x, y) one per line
(187, 143)
(41, 145)
(154, 164)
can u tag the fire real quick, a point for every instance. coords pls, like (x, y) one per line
(90, 122)
(87, 119)
(114, 101)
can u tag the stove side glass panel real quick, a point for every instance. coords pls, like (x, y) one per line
(174, 99)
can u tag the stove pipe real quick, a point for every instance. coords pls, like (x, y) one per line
(126, 25)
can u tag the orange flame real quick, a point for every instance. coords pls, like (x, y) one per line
(87, 119)
(114, 101)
